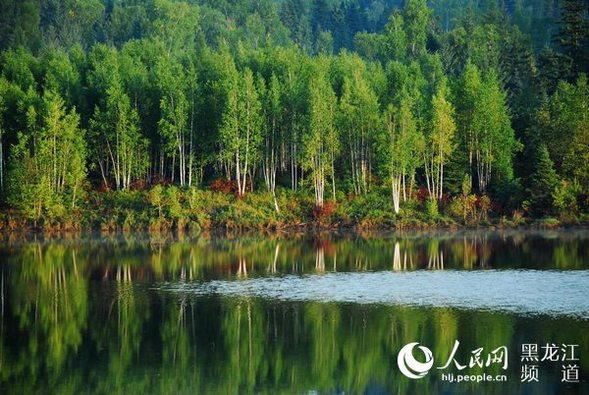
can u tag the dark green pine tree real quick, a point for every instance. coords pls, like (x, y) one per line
(573, 35)
(542, 183)
(295, 17)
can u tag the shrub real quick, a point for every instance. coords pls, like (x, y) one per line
(431, 209)
(129, 221)
(242, 215)
(372, 210)
(484, 204)
(295, 208)
(172, 202)
(156, 199)
(565, 198)
(224, 186)
(547, 222)
(323, 213)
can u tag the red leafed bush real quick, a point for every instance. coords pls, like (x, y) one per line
(422, 195)
(224, 186)
(322, 213)
(139, 185)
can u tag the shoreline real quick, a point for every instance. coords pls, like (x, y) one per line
(296, 229)
(195, 211)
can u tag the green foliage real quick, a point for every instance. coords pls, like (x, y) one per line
(440, 140)
(431, 208)
(464, 205)
(241, 128)
(115, 133)
(564, 124)
(321, 140)
(565, 199)
(29, 191)
(573, 35)
(358, 121)
(543, 184)
(485, 128)
(183, 93)
(156, 199)
(372, 210)
(48, 163)
(172, 202)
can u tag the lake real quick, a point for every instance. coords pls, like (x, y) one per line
(503, 312)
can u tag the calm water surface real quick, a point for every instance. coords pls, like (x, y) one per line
(302, 314)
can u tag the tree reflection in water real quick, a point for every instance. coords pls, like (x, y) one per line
(84, 315)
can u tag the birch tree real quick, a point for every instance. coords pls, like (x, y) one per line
(49, 160)
(272, 132)
(294, 78)
(240, 130)
(174, 108)
(121, 148)
(192, 88)
(359, 123)
(3, 94)
(404, 148)
(485, 127)
(439, 143)
(118, 147)
(321, 142)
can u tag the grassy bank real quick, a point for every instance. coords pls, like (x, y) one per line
(164, 208)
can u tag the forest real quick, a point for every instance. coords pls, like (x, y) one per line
(159, 114)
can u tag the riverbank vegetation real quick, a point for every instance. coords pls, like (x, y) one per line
(193, 114)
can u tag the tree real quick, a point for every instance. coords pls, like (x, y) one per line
(395, 38)
(118, 148)
(295, 71)
(485, 127)
(3, 94)
(320, 142)
(416, 16)
(563, 124)
(404, 147)
(192, 92)
(468, 105)
(48, 163)
(175, 25)
(241, 127)
(121, 143)
(61, 75)
(369, 45)
(542, 185)
(483, 48)
(573, 35)
(173, 125)
(19, 24)
(440, 144)
(359, 122)
(272, 131)
(324, 43)
(295, 17)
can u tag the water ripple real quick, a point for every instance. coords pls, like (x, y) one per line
(529, 292)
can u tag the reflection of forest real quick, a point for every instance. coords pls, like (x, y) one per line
(81, 316)
(127, 259)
